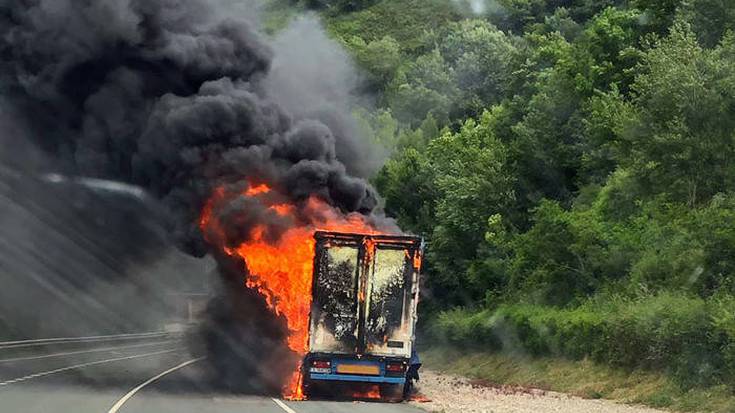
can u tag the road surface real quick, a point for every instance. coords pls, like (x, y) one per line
(130, 379)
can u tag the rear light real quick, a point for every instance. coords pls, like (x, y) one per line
(321, 364)
(320, 367)
(395, 367)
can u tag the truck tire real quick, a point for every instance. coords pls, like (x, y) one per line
(407, 389)
(391, 392)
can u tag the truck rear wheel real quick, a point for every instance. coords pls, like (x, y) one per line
(391, 392)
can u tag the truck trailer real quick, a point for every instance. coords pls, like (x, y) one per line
(363, 314)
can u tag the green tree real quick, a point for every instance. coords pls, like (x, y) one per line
(407, 183)
(521, 15)
(544, 267)
(710, 19)
(473, 182)
(482, 60)
(381, 58)
(659, 14)
(678, 135)
(427, 86)
(336, 6)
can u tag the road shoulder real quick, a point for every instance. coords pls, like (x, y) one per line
(450, 393)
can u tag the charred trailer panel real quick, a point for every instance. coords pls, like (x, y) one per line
(363, 313)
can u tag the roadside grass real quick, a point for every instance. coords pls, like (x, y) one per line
(583, 378)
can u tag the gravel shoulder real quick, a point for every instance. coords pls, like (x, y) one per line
(454, 394)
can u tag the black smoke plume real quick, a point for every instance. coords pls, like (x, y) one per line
(178, 97)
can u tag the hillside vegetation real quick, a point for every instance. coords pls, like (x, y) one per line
(572, 166)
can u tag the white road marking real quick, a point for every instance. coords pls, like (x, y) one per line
(59, 340)
(99, 350)
(131, 393)
(77, 366)
(283, 406)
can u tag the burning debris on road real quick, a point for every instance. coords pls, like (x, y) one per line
(175, 98)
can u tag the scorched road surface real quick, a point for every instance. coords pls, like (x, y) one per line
(128, 379)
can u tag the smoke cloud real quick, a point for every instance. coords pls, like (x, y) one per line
(171, 97)
(312, 77)
(180, 98)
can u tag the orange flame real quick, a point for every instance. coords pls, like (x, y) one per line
(371, 391)
(257, 190)
(282, 270)
(419, 398)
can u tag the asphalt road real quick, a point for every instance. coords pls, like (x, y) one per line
(128, 379)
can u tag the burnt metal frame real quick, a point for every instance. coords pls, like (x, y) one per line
(325, 238)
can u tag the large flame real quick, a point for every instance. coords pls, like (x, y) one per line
(282, 270)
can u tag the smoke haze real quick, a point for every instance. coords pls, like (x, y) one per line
(177, 98)
(480, 7)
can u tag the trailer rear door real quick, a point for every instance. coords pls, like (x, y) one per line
(334, 314)
(365, 293)
(389, 320)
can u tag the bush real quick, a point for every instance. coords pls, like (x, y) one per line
(684, 336)
(461, 327)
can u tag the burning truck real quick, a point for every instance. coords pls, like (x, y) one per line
(363, 313)
(250, 146)
(346, 287)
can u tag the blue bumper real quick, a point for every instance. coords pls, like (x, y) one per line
(364, 379)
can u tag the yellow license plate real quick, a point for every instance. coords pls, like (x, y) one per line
(365, 369)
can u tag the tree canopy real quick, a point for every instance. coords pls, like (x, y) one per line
(560, 157)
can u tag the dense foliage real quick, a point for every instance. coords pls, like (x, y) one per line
(572, 166)
(689, 337)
